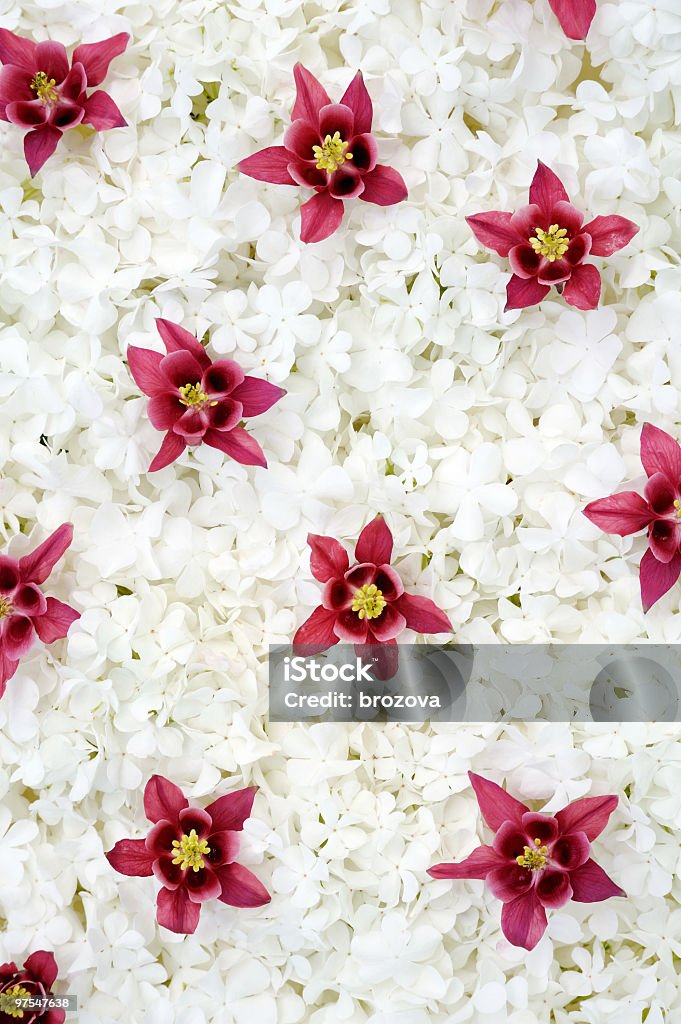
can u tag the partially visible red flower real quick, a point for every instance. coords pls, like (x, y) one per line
(195, 399)
(547, 244)
(329, 148)
(364, 604)
(24, 609)
(192, 852)
(575, 16)
(34, 980)
(40, 91)
(536, 861)
(658, 510)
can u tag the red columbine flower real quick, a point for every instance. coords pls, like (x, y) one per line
(35, 981)
(363, 604)
(192, 852)
(659, 511)
(547, 244)
(195, 399)
(536, 861)
(328, 147)
(41, 92)
(575, 16)
(24, 609)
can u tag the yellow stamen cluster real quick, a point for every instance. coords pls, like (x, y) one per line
(551, 244)
(368, 602)
(677, 508)
(193, 395)
(534, 859)
(44, 87)
(9, 1001)
(190, 851)
(6, 607)
(331, 154)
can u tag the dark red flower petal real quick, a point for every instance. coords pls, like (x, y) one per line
(10, 570)
(240, 887)
(383, 186)
(495, 230)
(300, 137)
(171, 449)
(520, 294)
(42, 967)
(195, 818)
(622, 513)
(169, 874)
(509, 882)
(346, 183)
(361, 575)
(389, 583)
(96, 57)
(661, 493)
(364, 152)
(336, 117)
(525, 221)
(165, 410)
(422, 614)
(350, 628)
(590, 884)
(225, 415)
(229, 812)
(18, 637)
(17, 50)
(224, 848)
(177, 339)
(39, 145)
(269, 164)
(575, 16)
(74, 84)
(525, 262)
(657, 578)
(523, 920)
(589, 815)
(547, 189)
(554, 273)
(202, 885)
(566, 216)
(375, 543)
(328, 559)
(477, 865)
(317, 633)
(238, 444)
(55, 621)
(554, 889)
(310, 95)
(609, 234)
(660, 453)
(176, 912)
(145, 367)
(163, 799)
(357, 98)
(571, 851)
(181, 368)
(308, 175)
(160, 838)
(222, 377)
(580, 247)
(51, 58)
(337, 595)
(664, 538)
(583, 290)
(102, 113)
(131, 857)
(388, 625)
(320, 217)
(510, 840)
(256, 395)
(496, 805)
(540, 826)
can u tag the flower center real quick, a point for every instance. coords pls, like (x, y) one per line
(44, 87)
(9, 1001)
(331, 154)
(677, 508)
(193, 395)
(551, 244)
(6, 607)
(534, 859)
(368, 602)
(190, 851)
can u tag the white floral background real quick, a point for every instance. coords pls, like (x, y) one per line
(480, 435)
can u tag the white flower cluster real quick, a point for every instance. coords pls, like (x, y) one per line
(480, 436)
